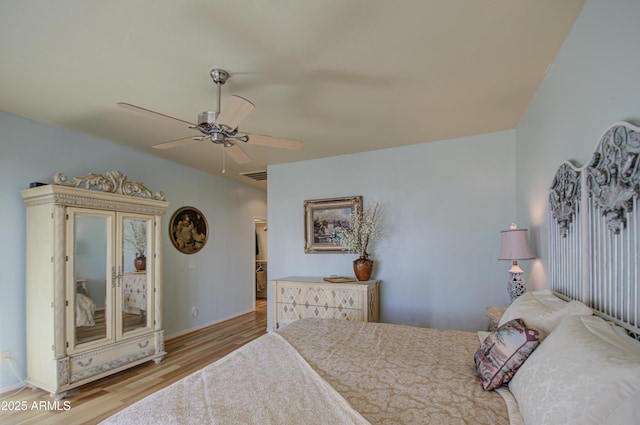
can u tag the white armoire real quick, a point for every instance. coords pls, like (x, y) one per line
(93, 305)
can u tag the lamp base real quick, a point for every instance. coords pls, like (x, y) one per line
(516, 285)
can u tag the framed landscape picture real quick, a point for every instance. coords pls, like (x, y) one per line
(322, 220)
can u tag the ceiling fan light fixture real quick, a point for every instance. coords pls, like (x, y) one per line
(219, 139)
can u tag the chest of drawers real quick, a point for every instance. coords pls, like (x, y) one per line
(296, 298)
(134, 288)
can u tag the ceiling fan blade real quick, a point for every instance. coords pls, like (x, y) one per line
(149, 112)
(174, 143)
(237, 154)
(274, 142)
(235, 110)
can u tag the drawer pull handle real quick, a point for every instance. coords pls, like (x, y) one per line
(80, 363)
(143, 345)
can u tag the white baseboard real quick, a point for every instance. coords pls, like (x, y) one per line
(197, 328)
(8, 388)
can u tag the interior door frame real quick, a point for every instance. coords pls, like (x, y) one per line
(256, 220)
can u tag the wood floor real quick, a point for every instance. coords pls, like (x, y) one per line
(96, 401)
(99, 329)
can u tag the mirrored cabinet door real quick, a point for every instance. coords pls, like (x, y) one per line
(136, 268)
(91, 276)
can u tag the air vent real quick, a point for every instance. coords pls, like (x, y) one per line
(256, 175)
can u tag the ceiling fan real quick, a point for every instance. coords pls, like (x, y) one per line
(221, 126)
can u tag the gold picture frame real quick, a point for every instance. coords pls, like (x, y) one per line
(188, 230)
(322, 218)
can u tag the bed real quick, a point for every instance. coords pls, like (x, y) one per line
(85, 310)
(565, 355)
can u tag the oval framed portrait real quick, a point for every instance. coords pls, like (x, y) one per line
(188, 230)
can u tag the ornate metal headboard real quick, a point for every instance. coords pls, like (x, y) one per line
(594, 228)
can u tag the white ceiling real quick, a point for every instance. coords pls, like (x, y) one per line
(343, 76)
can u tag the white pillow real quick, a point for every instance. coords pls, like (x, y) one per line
(542, 311)
(584, 373)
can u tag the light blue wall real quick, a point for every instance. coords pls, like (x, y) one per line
(594, 82)
(218, 280)
(445, 204)
(91, 256)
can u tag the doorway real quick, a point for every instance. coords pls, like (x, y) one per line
(261, 258)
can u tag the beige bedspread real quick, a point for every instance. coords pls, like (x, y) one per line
(264, 382)
(395, 374)
(383, 374)
(85, 311)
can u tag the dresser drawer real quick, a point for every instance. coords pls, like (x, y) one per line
(288, 313)
(348, 298)
(319, 296)
(304, 295)
(349, 314)
(102, 360)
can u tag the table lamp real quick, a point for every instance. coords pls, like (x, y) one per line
(514, 246)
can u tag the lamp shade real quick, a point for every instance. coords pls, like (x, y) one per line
(514, 245)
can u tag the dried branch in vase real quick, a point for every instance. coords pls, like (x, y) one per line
(364, 228)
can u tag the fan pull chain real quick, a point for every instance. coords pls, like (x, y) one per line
(224, 163)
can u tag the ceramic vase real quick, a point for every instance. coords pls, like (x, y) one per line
(140, 262)
(363, 267)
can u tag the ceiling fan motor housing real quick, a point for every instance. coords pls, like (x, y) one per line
(208, 117)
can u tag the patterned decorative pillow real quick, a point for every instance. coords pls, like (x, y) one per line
(503, 352)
